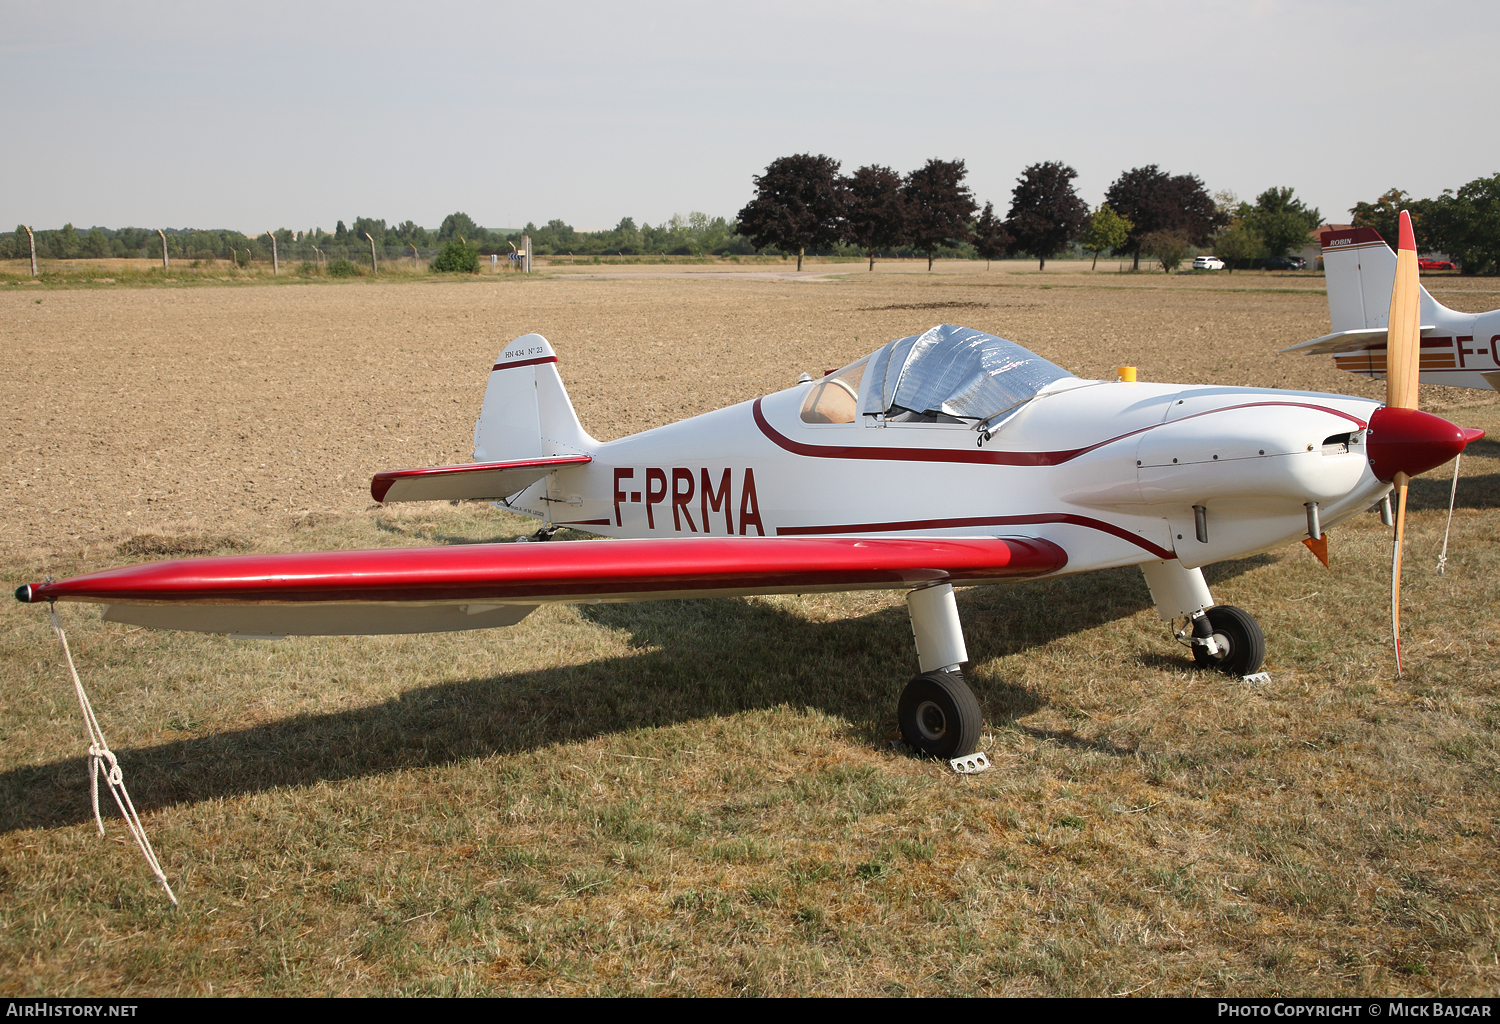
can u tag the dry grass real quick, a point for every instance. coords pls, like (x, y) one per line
(702, 796)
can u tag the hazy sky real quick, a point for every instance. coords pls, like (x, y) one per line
(299, 114)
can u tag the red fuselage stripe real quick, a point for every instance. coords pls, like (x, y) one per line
(993, 457)
(954, 524)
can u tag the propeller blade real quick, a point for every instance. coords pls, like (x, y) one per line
(1401, 482)
(1404, 327)
(1403, 364)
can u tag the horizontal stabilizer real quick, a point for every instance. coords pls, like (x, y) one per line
(1345, 341)
(454, 587)
(480, 480)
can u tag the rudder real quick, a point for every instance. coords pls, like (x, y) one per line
(527, 413)
(1359, 271)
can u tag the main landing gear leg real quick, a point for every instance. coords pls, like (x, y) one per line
(1222, 637)
(938, 713)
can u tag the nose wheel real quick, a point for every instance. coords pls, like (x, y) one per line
(1239, 646)
(939, 715)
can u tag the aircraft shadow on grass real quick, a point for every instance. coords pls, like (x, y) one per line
(698, 659)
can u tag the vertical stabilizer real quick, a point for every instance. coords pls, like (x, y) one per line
(527, 413)
(1360, 270)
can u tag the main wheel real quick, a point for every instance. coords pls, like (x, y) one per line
(1242, 646)
(939, 715)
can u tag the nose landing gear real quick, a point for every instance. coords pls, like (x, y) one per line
(1228, 639)
(1222, 637)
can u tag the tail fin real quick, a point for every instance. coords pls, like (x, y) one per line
(527, 413)
(1360, 271)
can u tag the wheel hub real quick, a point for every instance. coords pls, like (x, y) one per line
(931, 722)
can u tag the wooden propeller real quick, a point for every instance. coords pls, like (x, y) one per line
(1402, 365)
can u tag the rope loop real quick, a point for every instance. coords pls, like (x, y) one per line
(1452, 498)
(99, 756)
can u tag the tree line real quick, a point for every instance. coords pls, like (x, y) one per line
(696, 234)
(1464, 224)
(803, 205)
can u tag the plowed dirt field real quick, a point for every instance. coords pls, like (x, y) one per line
(225, 408)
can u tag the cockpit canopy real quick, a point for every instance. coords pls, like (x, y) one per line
(945, 375)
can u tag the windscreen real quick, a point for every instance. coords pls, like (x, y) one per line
(954, 373)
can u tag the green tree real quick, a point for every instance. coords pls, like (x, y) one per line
(64, 244)
(1466, 226)
(1384, 213)
(992, 239)
(1169, 247)
(1153, 200)
(461, 225)
(876, 215)
(1045, 213)
(939, 206)
(457, 258)
(95, 244)
(1282, 221)
(362, 225)
(799, 204)
(1238, 243)
(1106, 230)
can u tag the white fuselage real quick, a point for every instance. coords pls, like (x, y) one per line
(1109, 471)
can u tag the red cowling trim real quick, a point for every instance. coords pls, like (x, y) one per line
(1408, 239)
(563, 571)
(523, 362)
(380, 484)
(992, 457)
(954, 524)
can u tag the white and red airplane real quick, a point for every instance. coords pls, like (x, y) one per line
(1458, 349)
(945, 459)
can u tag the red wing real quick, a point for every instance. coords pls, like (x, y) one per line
(481, 480)
(411, 590)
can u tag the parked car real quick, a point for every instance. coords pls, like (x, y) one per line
(1430, 264)
(1284, 263)
(1207, 263)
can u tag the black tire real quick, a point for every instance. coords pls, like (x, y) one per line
(1242, 644)
(939, 715)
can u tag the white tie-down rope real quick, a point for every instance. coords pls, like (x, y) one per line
(99, 756)
(1452, 497)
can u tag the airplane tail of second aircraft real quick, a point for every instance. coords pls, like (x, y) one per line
(527, 413)
(1360, 270)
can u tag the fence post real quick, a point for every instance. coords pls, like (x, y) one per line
(163, 234)
(526, 254)
(275, 263)
(32, 236)
(416, 257)
(374, 268)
